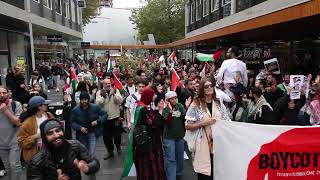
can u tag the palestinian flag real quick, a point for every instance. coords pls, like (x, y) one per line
(175, 80)
(129, 167)
(118, 85)
(217, 54)
(109, 67)
(74, 79)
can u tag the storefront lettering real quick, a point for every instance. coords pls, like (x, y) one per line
(256, 53)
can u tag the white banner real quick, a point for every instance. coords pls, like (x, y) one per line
(260, 152)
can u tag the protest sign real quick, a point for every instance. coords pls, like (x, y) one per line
(272, 65)
(297, 82)
(246, 151)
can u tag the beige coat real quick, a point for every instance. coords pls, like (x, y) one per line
(201, 160)
(110, 104)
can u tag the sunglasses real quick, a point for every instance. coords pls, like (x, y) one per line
(208, 86)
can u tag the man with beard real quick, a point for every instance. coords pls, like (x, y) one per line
(60, 159)
(9, 124)
(231, 67)
(110, 99)
(259, 110)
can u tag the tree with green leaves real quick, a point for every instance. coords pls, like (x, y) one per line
(163, 18)
(91, 11)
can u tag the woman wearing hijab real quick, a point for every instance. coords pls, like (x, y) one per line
(148, 152)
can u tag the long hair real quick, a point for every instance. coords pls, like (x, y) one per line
(28, 113)
(200, 98)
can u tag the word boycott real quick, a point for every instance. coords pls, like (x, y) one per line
(285, 160)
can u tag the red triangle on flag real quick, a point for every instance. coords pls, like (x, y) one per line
(175, 80)
(217, 54)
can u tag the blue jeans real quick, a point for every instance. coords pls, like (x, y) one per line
(11, 160)
(89, 141)
(173, 157)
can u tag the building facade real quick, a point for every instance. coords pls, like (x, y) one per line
(263, 29)
(25, 24)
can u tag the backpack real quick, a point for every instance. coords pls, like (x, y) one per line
(13, 106)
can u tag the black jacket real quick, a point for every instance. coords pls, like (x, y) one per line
(44, 164)
(290, 116)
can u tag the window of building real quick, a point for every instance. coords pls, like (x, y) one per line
(187, 14)
(225, 2)
(192, 16)
(198, 10)
(47, 3)
(38, 1)
(66, 5)
(58, 6)
(206, 7)
(73, 11)
(214, 5)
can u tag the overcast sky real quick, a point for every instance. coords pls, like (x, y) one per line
(126, 3)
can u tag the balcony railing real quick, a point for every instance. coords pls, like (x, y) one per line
(245, 4)
(17, 3)
(224, 10)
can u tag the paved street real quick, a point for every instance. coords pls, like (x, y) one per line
(111, 169)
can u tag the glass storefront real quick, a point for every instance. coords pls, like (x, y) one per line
(13, 51)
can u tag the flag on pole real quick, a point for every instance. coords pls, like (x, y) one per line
(175, 80)
(118, 85)
(173, 56)
(204, 57)
(217, 54)
(262, 152)
(129, 167)
(109, 67)
(74, 79)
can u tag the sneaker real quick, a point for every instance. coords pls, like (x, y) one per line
(57, 90)
(2, 173)
(48, 90)
(185, 155)
(108, 156)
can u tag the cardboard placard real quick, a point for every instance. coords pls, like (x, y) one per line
(272, 65)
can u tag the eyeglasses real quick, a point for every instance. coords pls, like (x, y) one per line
(208, 86)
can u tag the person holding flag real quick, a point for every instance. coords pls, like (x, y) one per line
(144, 156)
(109, 99)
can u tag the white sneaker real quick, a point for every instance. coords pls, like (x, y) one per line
(48, 90)
(185, 155)
(57, 90)
(2, 173)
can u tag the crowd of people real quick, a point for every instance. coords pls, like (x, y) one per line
(160, 116)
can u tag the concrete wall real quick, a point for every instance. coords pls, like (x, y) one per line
(264, 8)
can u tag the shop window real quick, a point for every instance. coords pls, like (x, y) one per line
(192, 16)
(58, 6)
(198, 10)
(206, 7)
(47, 3)
(214, 5)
